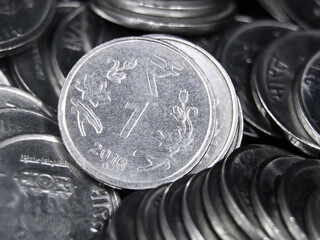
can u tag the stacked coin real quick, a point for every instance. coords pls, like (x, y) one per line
(258, 192)
(179, 17)
(139, 112)
(261, 58)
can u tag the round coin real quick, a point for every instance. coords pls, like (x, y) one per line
(264, 195)
(273, 79)
(305, 97)
(47, 195)
(22, 22)
(305, 13)
(20, 121)
(312, 215)
(16, 98)
(236, 174)
(136, 113)
(240, 50)
(300, 181)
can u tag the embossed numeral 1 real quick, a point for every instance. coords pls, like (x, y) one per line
(138, 110)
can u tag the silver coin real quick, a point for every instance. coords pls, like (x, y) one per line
(305, 13)
(216, 211)
(193, 214)
(48, 197)
(296, 185)
(238, 54)
(16, 98)
(275, 9)
(264, 195)
(136, 113)
(189, 26)
(236, 174)
(272, 84)
(147, 221)
(5, 75)
(20, 121)
(181, 9)
(170, 215)
(306, 97)
(22, 22)
(225, 101)
(312, 215)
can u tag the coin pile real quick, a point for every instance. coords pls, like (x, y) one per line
(141, 109)
(258, 192)
(263, 59)
(178, 17)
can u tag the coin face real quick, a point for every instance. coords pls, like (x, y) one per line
(136, 113)
(22, 22)
(45, 196)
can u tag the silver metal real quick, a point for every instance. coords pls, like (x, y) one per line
(22, 22)
(45, 196)
(306, 92)
(16, 98)
(225, 101)
(272, 84)
(136, 113)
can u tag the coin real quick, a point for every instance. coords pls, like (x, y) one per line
(192, 211)
(312, 215)
(215, 208)
(272, 84)
(305, 97)
(238, 54)
(20, 121)
(16, 98)
(305, 13)
(22, 22)
(299, 181)
(236, 174)
(52, 198)
(147, 221)
(123, 224)
(136, 113)
(264, 195)
(170, 212)
(224, 102)
(198, 25)
(275, 9)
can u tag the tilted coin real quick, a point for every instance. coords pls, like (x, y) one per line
(16, 98)
(275, 9)
(238, 53)
(22, 22)
(225, 103)
(170, 212)
(45, 196)
(305, 13)
(217, 213)
(272, 84)
(306, 97)
(312, 215)
(193, 213)
(236, 174)
(147, 220)
(20, 121)
(264, 195)
(136, 113)
(123, 222)
(33, 69)
(296, 185)
(78, 33)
